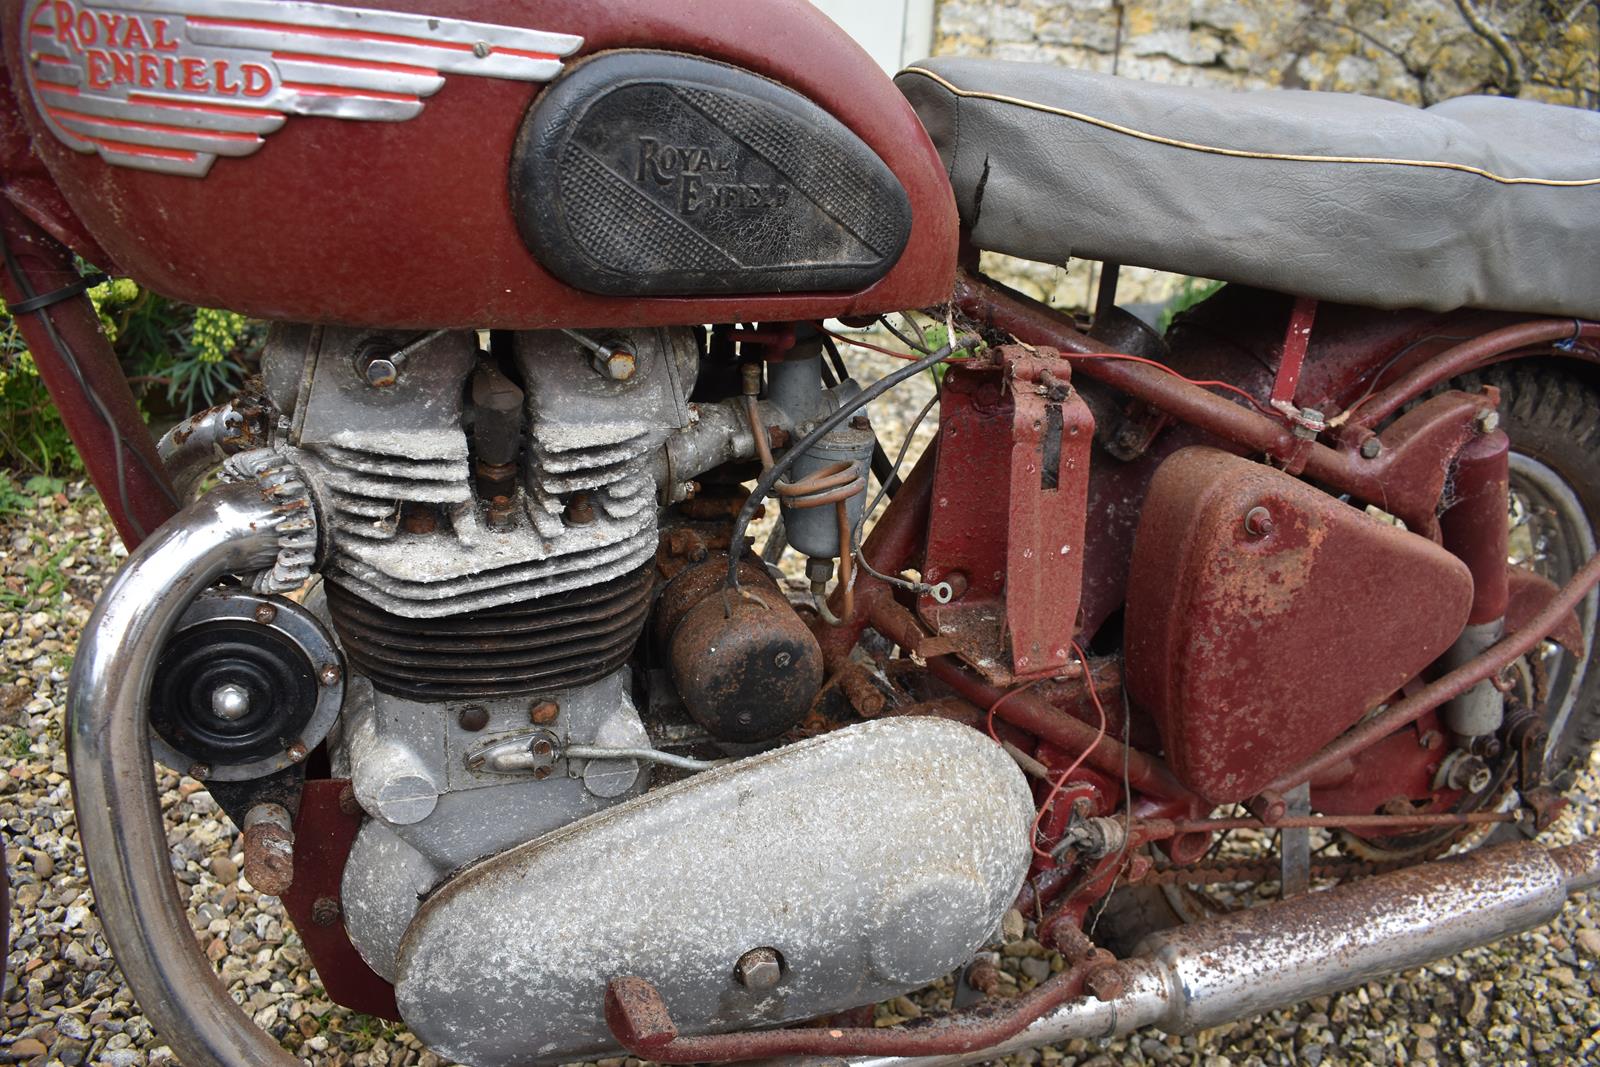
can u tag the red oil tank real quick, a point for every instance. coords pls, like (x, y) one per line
(393, 163)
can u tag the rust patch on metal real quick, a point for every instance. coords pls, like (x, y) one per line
(1254, 645)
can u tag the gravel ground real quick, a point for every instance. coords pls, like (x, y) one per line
(1530, 999)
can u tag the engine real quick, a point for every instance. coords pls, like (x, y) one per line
(523, 546)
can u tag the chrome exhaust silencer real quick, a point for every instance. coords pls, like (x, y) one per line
(235, 528)
(1196, 977)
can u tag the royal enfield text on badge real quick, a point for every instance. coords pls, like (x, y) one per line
(171, 85)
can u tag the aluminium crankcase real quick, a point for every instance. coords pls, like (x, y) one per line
(873, 860)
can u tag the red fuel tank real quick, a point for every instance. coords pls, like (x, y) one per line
(369, 163)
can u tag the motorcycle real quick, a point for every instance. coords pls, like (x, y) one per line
(456, 613)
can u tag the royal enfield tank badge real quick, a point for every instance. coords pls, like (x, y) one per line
(170, 85)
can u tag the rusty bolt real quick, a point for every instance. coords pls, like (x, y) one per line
(580, 510)
(1269, 807)
(330, 674)
(265, 613)
(542, 747)
(860, 422)
(499, 513)
(1071, 942)
(1258, 522)
(297, 752)
(544, 712)
(984, 977)
(325, 911)
(269, 849)
(618, 364)
(1466, 772)
(778, 437)
(1371, 448)
(1105, 983)
(1487, 421)
(473, 717)
(541, 773)
(759, 970)
(1308, 424)
(348, 804)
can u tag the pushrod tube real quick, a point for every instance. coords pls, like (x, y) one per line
(229, 530)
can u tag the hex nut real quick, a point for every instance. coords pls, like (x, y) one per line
(382, 373)
(325, 911)
(759, 970)
(1258, 522)
(620, 366)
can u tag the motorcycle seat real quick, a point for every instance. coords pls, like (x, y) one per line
(1479, 201)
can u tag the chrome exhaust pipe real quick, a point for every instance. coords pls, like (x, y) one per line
(1241, 965)
(235, 528)
(197, 446)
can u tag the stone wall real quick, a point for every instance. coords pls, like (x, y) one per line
(1418, 52)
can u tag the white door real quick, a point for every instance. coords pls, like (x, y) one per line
(894, 32)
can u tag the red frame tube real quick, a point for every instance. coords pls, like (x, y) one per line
(1032, 713)
(1474, 528)
(1385, 479)
(639, 1020)
(1465, 357)
(146, 499)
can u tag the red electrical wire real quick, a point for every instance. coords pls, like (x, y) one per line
(1203, 383)
(1055, 790)
(1007, 695)
(882, 351)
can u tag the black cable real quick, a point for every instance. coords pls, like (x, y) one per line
(770, 476)
(883, 320)
(839, 368)
(70, 359)
(882, 469)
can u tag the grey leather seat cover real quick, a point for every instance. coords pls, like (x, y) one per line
(1480, 201)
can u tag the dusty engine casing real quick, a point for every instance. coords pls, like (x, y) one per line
(490, 527)
(787, 851)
